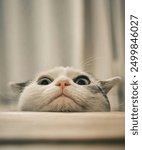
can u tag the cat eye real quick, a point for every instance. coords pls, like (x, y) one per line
(44, 81)
(82, 80)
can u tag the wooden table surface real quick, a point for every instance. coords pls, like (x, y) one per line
(55, 131)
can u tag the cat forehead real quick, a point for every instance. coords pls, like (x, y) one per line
(62, 71)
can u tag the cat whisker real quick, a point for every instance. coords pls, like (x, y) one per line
(90, 60)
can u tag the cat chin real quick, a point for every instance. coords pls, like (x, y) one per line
(64, 104)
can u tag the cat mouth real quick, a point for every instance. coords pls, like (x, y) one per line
(62, 95)
(65, 97)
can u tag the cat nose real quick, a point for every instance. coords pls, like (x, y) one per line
(62, 83)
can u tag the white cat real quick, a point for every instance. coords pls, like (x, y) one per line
(64, 89)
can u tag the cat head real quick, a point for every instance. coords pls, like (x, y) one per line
(64, 89)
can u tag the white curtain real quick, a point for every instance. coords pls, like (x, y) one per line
(41, 34)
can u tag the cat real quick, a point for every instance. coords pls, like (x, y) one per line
(64, 89)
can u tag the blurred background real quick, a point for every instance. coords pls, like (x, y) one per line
(40, 34)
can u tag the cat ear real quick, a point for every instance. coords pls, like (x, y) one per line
(18, 87)
(109, 83)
